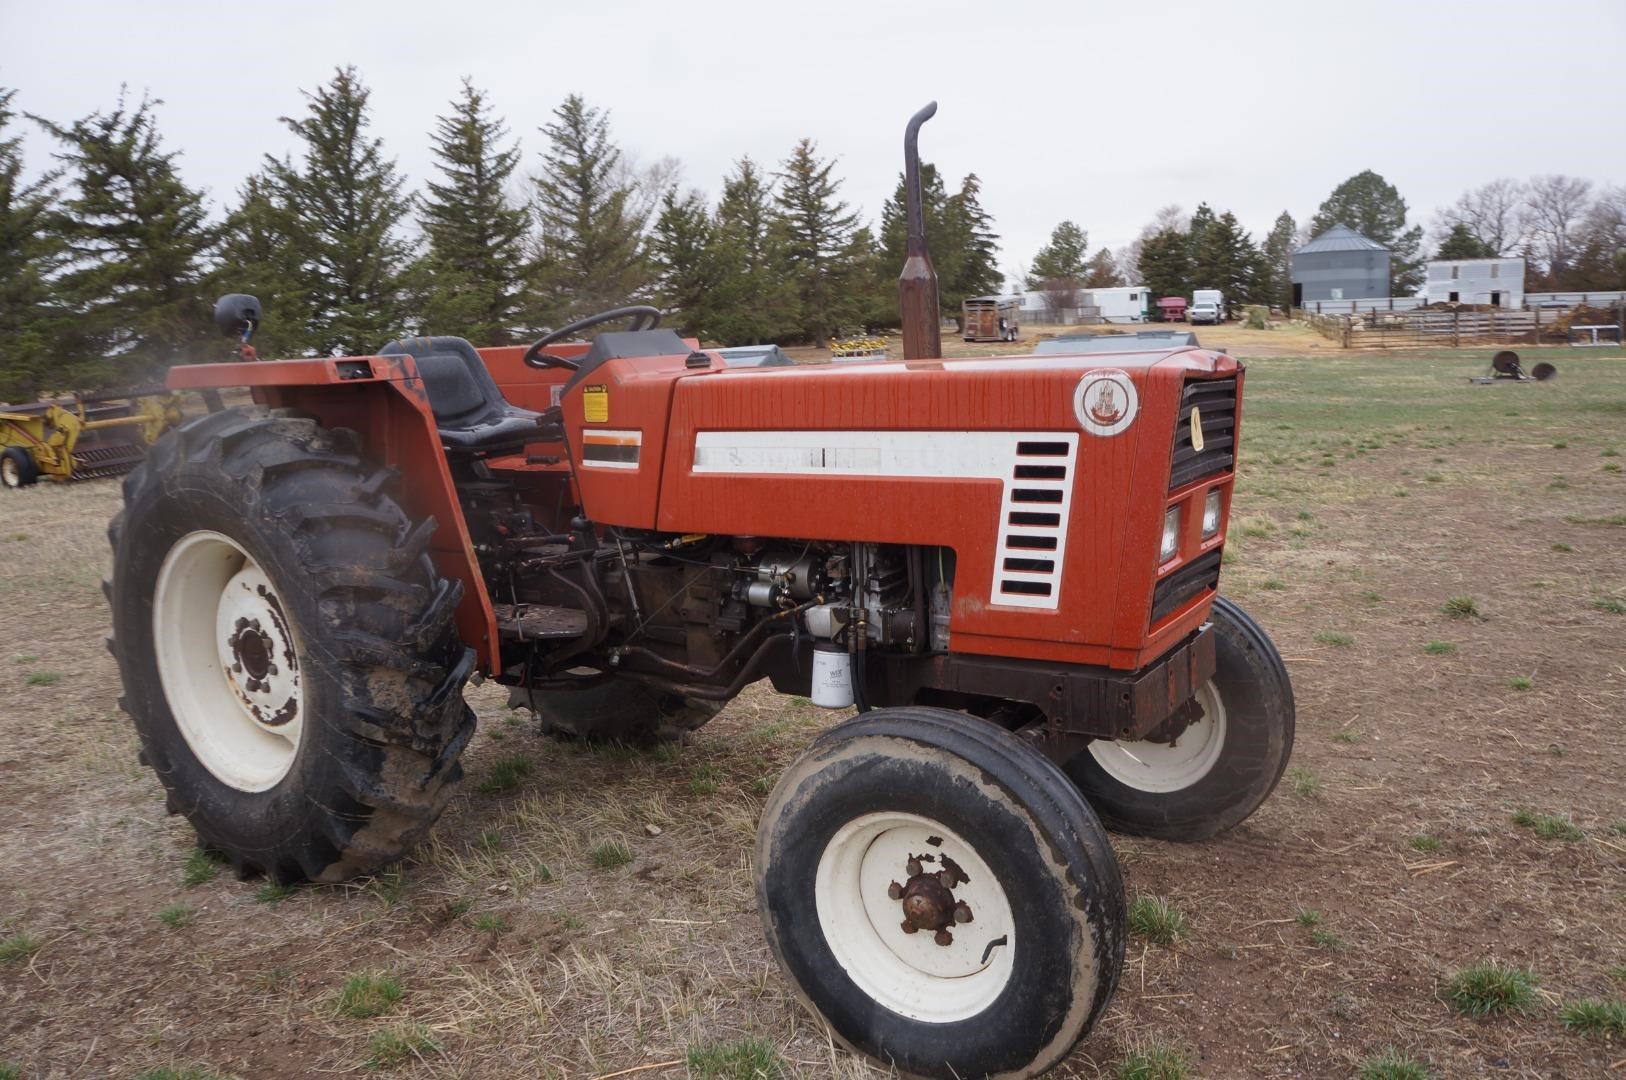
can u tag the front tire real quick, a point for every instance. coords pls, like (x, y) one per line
(926, 818)
(1222, 767)
(17, 468)
(287, 648)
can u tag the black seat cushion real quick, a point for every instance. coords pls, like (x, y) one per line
(470, 411)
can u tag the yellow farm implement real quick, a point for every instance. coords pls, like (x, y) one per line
(83, 436)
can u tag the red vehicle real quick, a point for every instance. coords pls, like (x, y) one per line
(1009, 566)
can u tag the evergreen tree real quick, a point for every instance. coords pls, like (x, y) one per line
(1202, 219)
(756, 301)
(1370, 205)
(475, 264)
(977, 272)
(1461, 243)
(342, 206)
(137, 241)
(1165, 263)
(1062, 257)
(959, 234)
(683, 255)
(592, 256)
(1224, 258)
(259, 256)
(1275, 285)
(816, 231)
(1102, 271)
(31, 250)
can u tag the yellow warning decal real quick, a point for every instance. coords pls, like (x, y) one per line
(596, 404)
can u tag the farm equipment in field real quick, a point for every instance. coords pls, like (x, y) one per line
(84, 436)
(1505, 367)
(1008, 566)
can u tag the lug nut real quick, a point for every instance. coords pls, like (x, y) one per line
(947, 879)
(913, 867)
(910, 928)
(894, 891)
(943, 937)
(962, 912)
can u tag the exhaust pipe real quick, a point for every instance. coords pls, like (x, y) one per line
(917, 285)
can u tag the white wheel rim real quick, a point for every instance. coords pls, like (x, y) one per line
(9, 473)
(911, 974)
(228, 660)
(1165, 767)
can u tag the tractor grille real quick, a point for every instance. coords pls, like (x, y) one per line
(1215, 400)
(1198, 576)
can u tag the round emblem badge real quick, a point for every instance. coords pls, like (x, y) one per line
(1105, 401)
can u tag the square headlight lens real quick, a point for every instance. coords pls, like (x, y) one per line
(1211, 514)
(1171, 535)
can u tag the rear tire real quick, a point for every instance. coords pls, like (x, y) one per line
(17, 468)
(615, 711)
(1222, 767)
(867, 821)
(287, 648)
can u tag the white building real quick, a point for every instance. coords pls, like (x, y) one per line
(1497, 282)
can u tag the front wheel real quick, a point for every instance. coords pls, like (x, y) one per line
(17, 468)
(940, 895)
(1222, 766)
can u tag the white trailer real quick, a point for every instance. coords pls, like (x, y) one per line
(1125, 305)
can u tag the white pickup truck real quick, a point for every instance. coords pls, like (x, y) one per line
(1207, 306)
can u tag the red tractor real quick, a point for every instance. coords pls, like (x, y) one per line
(1009, 566)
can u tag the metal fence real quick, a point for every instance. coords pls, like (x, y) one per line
(1380, 328)
(1073, 316)
(1350, 307)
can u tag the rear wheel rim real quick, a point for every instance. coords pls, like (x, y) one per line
(10, 474)
(862, 919)
(1160, 768)
(228, 661)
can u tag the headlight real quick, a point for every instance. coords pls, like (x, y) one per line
(1211, 514)
(1171, 535)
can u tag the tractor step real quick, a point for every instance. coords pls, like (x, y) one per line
(531, 621)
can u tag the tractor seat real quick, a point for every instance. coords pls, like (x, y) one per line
(471, 413)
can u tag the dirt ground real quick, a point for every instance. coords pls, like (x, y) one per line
(1373, 490)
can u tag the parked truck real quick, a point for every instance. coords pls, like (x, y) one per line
(990, 318)
(1207, 306)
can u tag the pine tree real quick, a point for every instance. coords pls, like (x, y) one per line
(1461, 243)
(343, 204)
(977, 272)
(959, 234)
(755, 300)
(260, 256)
(1102, 271)
(1165, 263)
(592, 256)
(683, 254)
(816, 230)
(1275, 284)
(1061, 258)
(137, 241)
(31, 250)
(474, 267)
(1224, 258)
(1370, 205)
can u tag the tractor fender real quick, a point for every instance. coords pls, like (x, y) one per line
(383, 400)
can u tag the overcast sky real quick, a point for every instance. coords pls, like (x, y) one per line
(1101, 113)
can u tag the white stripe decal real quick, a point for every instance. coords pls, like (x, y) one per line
(611, 449)
(1041, 494)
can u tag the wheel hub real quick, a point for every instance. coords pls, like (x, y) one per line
(228, 661)
(936, 945)
(928, 898)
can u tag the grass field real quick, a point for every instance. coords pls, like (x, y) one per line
(1437, 888)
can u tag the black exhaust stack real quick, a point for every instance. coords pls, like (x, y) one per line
(917, 285)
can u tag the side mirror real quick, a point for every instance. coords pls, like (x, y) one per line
(237, 315)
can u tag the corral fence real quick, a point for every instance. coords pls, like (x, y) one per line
(1411, 328)
(1071, 316)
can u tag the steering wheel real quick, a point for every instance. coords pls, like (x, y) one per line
(641, 316)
